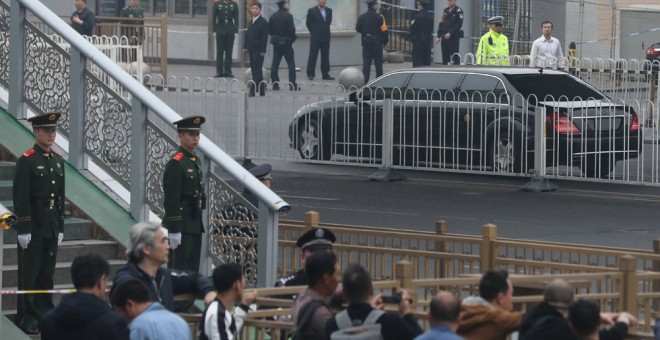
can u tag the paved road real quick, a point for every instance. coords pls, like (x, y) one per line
(584, 213)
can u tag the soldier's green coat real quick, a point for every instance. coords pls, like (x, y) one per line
(225, 17)
(182, 179)
(136, 13)
(39, 176)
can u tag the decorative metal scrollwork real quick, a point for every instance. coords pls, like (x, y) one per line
(5, 21)
(47, 69)
(160, 149)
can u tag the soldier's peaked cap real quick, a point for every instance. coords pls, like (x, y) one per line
(316, 237)
(425, 2)
(369, 1)
(496, 20)
(280, 2)
(262, 171)
(45, 120)
(192, 123)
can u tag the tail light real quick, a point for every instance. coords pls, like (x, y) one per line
(652, 52)
(634, 126)
(562, 123)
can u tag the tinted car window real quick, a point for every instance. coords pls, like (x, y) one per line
(387, 87)
(555, 85)
(477, 87)
(435, 85)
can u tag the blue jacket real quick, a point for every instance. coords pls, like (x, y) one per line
(156, 322)
(439, 333)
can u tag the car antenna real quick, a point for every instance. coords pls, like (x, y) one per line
(541, 70)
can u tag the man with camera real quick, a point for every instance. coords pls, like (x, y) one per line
(184, 197)
(365, 314)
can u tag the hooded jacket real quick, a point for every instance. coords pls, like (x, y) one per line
(166, 283)
(83, 316)
(483, 321)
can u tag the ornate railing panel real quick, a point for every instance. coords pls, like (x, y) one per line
(4, 43)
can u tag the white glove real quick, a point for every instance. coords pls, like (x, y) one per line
(175, 240)
(60, 236)
(24, 240)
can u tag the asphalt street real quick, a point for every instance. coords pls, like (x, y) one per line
(583, 213)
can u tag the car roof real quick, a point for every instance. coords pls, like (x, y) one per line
(481, 69)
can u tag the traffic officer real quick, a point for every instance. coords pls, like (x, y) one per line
(282, 35)
(316, 239)
(373, 28)
(39, 206)
(184, 197)
(133, 29)
(262, 173)
(493, 46)
(225, 25)
(421, 34)
(450, 33)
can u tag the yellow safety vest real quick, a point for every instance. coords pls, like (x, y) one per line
(494, 51)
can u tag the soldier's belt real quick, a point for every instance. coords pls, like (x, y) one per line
(50, 203)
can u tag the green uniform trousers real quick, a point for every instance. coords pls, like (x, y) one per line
(36, 267)
(186, 255)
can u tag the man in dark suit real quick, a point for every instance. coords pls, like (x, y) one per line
(421, 34)
(256, 40)
(318, 22)
(282, 32)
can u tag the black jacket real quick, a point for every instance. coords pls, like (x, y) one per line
(369, 24)
(319, 29)
(422, 27)
(545, 322)
(280, 25)
(166, 284)
(83, 316)
(89, 21)
(392, 326)
(453, 22)
(256, 37)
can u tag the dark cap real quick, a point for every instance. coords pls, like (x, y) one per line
(425, 2)
(261, 172)
(368, 2)
(496, 20)
(192, 123)
(45, 120)
(572, 45)
(316, 238)
(281, 2)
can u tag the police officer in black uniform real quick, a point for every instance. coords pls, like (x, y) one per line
(449, 32)
(262, 173)
(421, 34)
(316, 239)
(282, 35)
(371, 25)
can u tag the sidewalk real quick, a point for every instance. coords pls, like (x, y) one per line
(204, 71)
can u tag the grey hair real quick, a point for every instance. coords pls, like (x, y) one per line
(141, 234)
(558, 293)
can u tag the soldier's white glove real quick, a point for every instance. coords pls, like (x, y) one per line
(24, 240)
(175, 240)
(60, 236)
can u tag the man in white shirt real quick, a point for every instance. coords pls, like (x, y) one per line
(546, 50)
(220, 321)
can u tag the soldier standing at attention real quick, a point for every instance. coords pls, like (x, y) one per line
(421, 33)
(282, 35)
(450, 33)
(184, 197)
(133, 29)
(39, 206)
(371, 25)
(225, 25)
(493, 46)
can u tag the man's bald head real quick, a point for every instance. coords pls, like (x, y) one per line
(444, 308)
(558, 293)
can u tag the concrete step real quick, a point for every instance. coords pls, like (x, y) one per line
(74, 229)
(68, 250)
(62, 273)
(7, 171)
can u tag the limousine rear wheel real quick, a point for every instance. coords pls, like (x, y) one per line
(505, 153)
(310, 141)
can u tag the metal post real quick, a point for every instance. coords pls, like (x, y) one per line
(17, 60)
(77, 110)
(242, 128)
(204, 262)
(139, 207)
(539, 183)
(385, 173)
(267, 246)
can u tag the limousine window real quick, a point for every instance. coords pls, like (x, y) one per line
(554, 85)
(481, 88)
(433, 86)
(387, 87)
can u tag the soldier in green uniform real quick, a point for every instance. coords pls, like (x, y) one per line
(39, 206)
(225, 25)
(184, 197)
(133, 29)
